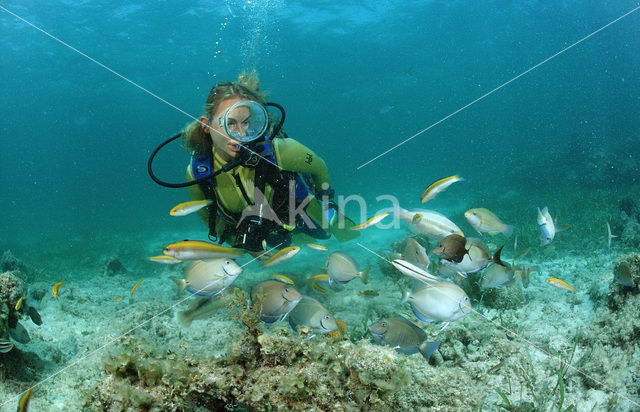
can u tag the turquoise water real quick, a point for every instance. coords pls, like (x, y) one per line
(355, 78)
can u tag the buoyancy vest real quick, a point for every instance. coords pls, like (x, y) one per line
(266, 173)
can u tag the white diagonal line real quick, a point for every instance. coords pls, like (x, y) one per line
(104, 66)
(497, 88)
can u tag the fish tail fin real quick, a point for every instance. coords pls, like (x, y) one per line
(496, 256)
(180, 283)
(427, 348)
(405, 295)
(508, 230)
(364, 275)
(184, 319)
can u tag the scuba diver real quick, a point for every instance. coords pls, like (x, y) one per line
(264, 187)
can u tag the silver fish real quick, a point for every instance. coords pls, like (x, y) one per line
(547, 226)
(416, 254)
(208, 277)
(434, 225)
(312, 314)
(277, 299)
(342, 268)
(440, 302)
(403, 336)
(497, 275)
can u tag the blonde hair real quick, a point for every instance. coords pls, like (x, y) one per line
(246, 86)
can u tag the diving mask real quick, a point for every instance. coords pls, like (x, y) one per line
(245, 121)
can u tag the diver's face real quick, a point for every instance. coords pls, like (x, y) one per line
(226, 147)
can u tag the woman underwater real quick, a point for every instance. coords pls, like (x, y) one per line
(265, 186)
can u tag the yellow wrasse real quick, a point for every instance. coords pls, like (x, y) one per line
(321, 278)
(24, 400)
(370, 222)
(187, 208)
(199, 249)
(167, 260)
(438, 186)
(283, 278)
(19, 303)
(282, 255)
(560, 284)
(319, 288)
(55, 288)
(317, 246)
(133, 289)
(117, 299)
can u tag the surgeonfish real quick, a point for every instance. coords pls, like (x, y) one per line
(199, 250)
(276, 299)
(415, 253)
(439, 302)
(186, 208)
(438, 186)
(485, 221)
(312, 314)
(5, 345)
(370, 222)
(477, 258)
(497, 275)
(342, 268)
(19, 334)
(434, 225)
(202, 308)
(403, 336)
(208, 277)
(560, 284)
(282, 255)
(452, 248)
(547, 226)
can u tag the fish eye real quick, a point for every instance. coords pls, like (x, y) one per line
(383, 324)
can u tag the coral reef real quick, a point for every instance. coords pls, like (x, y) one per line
(12, 288)
(613, 356)
(275, 370)
(9, 262)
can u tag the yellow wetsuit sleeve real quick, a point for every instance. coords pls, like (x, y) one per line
(293, 156)
(196, 194)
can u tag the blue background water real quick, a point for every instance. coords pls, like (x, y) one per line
(355, 78)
